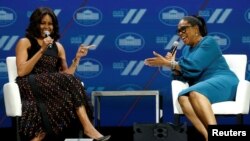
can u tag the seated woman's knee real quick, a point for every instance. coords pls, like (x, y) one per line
(182, 100)
(194, 95)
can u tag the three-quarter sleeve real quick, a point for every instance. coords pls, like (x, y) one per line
(196, 59)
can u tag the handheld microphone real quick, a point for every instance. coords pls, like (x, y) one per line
(47, 33)
(174, 47)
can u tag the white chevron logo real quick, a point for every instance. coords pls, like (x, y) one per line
(92, 39)
(171, 42)
(7, 42)
(220, 15)
(134, 16)
(57, 11)
(133, 67)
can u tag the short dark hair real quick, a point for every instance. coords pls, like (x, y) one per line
(33, 29)
(199, 21)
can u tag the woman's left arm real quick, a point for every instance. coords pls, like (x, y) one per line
(81, 52)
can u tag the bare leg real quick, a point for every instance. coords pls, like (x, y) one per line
(88, 127)
(191, 115)
(203, 110)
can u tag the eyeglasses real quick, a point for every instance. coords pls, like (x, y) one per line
(183, 29)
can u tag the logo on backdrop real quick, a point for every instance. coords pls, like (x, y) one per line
(247, 15)
(87, 16)
(132, 16)
(7, 16)
(7, 42)
(131, 67)
(245, 40)
(87, 40)
(129, 87)
(89, 68)
(129, 42)
(167, 41)
(56, 11)
(218, 15)
(171, 15)
(222, 39)
(3, 69)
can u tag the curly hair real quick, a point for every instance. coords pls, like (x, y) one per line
(33, 29)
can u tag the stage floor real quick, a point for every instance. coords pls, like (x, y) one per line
(117, 133)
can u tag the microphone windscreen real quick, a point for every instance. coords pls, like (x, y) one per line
(46, 33)
(174, 47)
(175, 43)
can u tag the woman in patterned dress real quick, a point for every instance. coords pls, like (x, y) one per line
(52, 97)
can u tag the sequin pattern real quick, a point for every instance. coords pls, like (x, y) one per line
(61, 93)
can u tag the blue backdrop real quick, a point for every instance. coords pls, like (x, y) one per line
(125, 33)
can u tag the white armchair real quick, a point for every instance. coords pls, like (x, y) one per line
(239, 107)
(12, 99)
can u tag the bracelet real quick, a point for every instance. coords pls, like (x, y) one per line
(74, 62)
(42, 50)
(173, 64)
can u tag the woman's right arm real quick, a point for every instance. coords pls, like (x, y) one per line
(25, 66)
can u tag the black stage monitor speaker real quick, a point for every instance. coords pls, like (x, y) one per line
(160, 132)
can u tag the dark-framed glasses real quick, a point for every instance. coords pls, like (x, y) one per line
(182, 29)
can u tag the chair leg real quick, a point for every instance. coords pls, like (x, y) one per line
(176, 119)
(239, 118)
(161, 109)
(15, 126)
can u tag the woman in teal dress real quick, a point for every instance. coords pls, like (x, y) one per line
(204, 68)
(206, 71)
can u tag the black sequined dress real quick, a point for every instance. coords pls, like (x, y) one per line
(49, 97)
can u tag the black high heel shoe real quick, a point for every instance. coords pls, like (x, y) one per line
(104, 138)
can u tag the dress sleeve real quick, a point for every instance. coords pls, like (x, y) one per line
(194, 62)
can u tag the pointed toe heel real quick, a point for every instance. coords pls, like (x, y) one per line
(104, 138)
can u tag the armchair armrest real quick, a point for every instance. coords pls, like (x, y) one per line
(243, 96)
(12, 99)
(177, 86)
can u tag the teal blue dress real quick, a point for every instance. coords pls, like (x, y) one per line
(206, 71)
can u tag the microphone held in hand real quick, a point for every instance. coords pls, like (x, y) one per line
(47, 33)
(174, 47)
